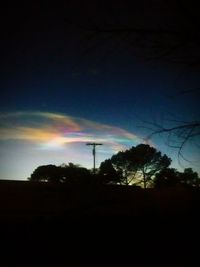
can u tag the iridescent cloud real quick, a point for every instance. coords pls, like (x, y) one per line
(31, 139)
(50, 130)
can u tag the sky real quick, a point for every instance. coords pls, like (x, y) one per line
(62, 84)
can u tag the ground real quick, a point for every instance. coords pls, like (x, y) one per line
(39, 218)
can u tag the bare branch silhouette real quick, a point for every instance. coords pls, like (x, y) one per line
(177, 136)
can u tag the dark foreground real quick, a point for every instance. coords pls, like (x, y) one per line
(112, 221)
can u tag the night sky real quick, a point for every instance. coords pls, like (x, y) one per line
(65, 82)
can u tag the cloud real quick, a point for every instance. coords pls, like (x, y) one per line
(54, 131)
(31, 139)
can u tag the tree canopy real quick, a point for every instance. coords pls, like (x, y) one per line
(46, 173)
(138, 164)
(107, 173)
(170, 177)
(63, 173)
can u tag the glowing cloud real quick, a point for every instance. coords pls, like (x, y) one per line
(50, 130)
(31, 139)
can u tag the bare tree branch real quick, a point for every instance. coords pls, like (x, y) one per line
(177, 136)
(165, 130)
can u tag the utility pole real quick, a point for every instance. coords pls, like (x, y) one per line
(94, 153)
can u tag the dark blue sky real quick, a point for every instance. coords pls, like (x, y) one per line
(50, 63)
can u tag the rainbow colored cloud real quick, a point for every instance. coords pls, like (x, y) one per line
(31, 139)
(56, 131)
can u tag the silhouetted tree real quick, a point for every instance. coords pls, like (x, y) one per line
(123, 166)
(46, 173)
(75, 173)
(107, 173)
(190, 178)
(170, 177)
(63, 173)
(149, 162)
(139, 164)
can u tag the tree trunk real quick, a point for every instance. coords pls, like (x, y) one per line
(145, 183)
(126, 175)
(144, 179)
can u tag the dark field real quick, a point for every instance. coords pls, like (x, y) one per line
(27, 202)
(99, 218)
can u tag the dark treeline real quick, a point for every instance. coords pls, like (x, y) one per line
(142, 165)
